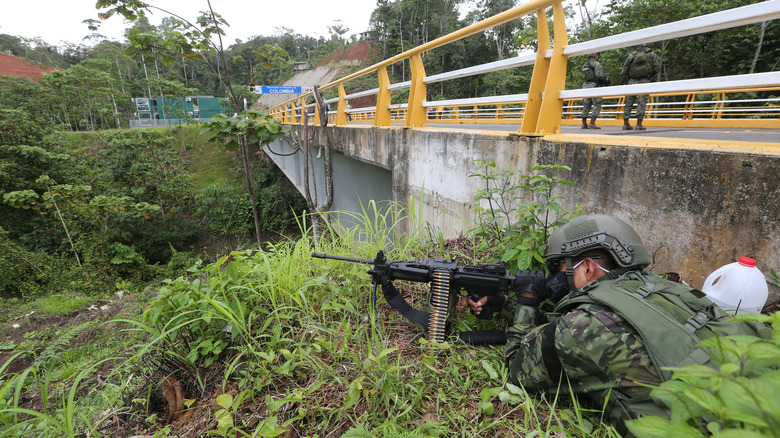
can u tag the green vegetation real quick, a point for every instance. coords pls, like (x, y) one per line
(739, 399)
(271, 342)
(516, 213)
(82, 212)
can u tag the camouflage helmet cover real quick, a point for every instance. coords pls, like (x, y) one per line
(597, 231)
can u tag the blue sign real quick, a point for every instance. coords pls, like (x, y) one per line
(277, 89)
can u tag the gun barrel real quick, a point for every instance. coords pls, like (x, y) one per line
(321, 255)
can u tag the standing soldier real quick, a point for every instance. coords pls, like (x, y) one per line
(594, 77)
(640, 67)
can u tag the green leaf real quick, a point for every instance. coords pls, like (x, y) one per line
(515, 389)
(487, 408)
(658, 427)
(224, 419)
(490, 370)
(225, 400)
(729, 369)
(705, 399)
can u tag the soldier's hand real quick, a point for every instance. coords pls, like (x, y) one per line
(483, 307)
(530, 281)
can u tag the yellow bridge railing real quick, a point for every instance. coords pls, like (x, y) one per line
(706, 102)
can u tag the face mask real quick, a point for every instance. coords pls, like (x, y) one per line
(557, 286)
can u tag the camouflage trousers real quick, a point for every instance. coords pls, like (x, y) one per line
(640, 100)
(591, 102)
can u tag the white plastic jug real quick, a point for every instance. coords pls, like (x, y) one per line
(738, 287)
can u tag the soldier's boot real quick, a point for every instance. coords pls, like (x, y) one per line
(584, 123)
(639, 126)
(593, 123)
(627, 126)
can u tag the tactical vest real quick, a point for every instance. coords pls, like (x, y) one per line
(670, 318)
(641, 66)
(588, 72)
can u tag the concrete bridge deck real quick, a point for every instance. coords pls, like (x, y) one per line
(679, 136)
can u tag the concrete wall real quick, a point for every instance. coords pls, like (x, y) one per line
(696, 207)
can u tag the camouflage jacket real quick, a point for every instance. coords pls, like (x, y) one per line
(600, 355)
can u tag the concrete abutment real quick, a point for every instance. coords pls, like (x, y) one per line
(697, 206)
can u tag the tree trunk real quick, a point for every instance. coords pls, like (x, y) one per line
(758, 47)
(250, 185)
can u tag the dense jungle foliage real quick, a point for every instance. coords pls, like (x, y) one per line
(84, 211)
(96, 80)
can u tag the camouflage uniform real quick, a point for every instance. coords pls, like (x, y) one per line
(598, 352)
(593, 102)
(640, 100)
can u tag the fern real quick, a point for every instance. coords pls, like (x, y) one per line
(52, 352)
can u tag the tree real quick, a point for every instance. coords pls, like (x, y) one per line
(254, 127)
(753, 47)
(502, 35)
(192, 41)
(85, 96)
(12, 45)
(337, 31)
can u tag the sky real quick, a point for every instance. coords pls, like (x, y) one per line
(55, 21)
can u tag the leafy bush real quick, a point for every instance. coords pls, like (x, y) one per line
(23, 273)
(278, 201)
(17, 128)
(739, 399)
(216, 207)
(516, 213)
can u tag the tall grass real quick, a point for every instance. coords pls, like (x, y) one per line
(302, 353)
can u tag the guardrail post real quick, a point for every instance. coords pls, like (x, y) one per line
(552, 105)
(415, 116)
(690, 99)
(720, 97)
(383, 99)
(539, 76)
(341, 107)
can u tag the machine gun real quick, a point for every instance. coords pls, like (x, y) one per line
(447, 281)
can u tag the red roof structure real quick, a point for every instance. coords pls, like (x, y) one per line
(13, 66)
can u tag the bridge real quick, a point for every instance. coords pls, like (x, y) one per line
(698, 203)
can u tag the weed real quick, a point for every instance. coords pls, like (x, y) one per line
(516, 213)
(737, 399)
(58, 304)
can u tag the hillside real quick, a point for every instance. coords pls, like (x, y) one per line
(324, 72)
(13, 66)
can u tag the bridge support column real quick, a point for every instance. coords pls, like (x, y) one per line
(552, 105)
(541, 69)
(415, 113)
(383, 99)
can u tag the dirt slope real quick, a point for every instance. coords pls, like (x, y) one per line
(325, 71)
(13, 66)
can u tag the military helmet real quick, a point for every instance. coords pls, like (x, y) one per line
(598, 231)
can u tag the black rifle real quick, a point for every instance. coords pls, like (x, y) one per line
(447, 280)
